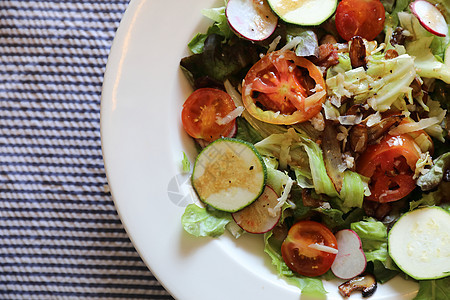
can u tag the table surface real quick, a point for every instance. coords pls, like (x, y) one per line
(61, 237)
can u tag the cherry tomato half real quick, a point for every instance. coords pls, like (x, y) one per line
(283, 88)
(364, 18)
(390, 165)
(201, 110)
(300, 257)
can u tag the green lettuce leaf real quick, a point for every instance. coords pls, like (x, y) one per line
(434, 289)
(354, 188)
(200, 221)
(246, 132)
(435, 197)
(220, 21)
(185, 164)
(393, 7)
(306, 42)
(220, 59)
(427, 49)
(433, 177)
(373, 235)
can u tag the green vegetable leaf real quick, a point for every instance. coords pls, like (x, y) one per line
(434, 289)
(435, 197)
(393, 7)
(353, 190)
(197, 43)
(200, 221)
(306, 42)
(424, 47)
(220, 59)
(185, 164)
(309, 286)
(373, 235)
(246, 132)
(219, 17)
(433, 177)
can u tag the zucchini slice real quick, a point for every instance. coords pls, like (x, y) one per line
(229, 174)
(305, 12)
(419, 243)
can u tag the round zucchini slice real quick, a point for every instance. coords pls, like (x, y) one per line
(229, 174)
(305, 12)
(419, 243)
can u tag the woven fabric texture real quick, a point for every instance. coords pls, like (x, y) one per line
(60, 236)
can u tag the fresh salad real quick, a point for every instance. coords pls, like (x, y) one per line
(322, 125)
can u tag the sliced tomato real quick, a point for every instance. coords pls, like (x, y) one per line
(299, 252)
(201, 111)
(364, 18)
(390, 166)
(283, 88)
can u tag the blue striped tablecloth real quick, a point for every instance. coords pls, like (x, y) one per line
(60, 236)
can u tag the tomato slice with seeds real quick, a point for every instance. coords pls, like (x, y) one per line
(390, 166)
(283, 88)
(364, 18)
(298, 254)
(201, 111)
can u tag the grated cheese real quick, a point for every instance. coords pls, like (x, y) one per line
(283, 198)
(274, 44)
(230, 117)
(318, 122)
(323, 248)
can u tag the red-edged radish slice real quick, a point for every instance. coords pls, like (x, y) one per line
(429, 17)
(350, 260)
(252, 19)
(259, 216)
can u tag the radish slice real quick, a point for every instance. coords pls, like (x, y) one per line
(429, 17)
(350, 260)
(257, 217)
(253, 20)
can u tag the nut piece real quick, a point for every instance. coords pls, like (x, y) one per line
(357, 52)
(365, 283)
(390, 54)
(379, 129)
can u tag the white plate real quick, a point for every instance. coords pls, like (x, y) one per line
(143, 141)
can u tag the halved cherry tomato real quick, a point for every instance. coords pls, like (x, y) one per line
(364, 18)
(283, 88)
(200, 113)
(298, 254)
(390, 165)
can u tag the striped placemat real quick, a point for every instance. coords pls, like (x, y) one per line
(60, 236)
